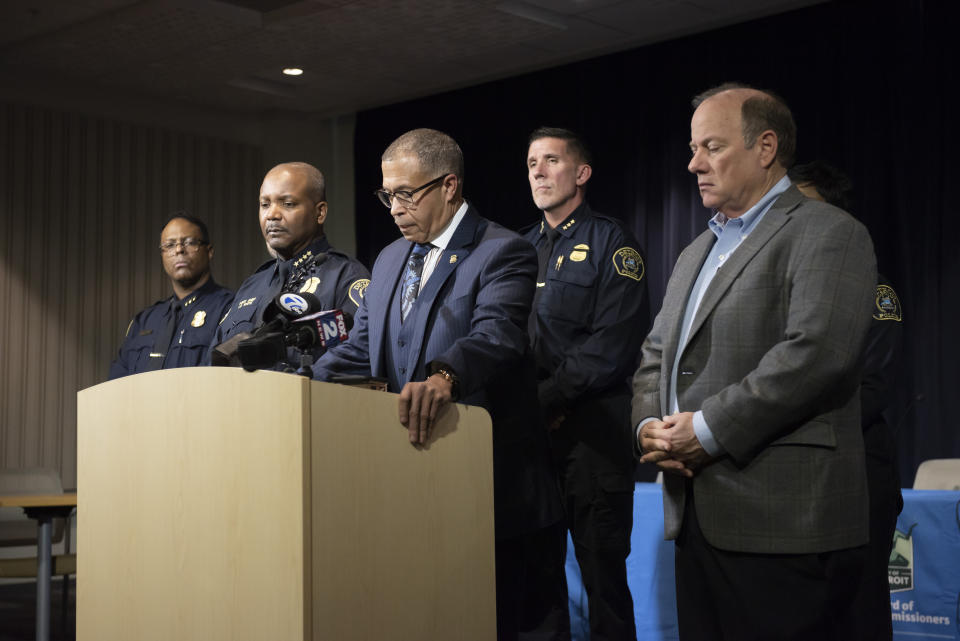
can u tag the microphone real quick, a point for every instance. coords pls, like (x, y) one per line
(320, 329)
(316, 331)
(225, 354)
(294, 306)
(261, 345)
(306, 305)
(262, 351)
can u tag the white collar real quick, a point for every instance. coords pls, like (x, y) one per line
(443, 239)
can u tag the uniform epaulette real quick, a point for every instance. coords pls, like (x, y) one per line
(269, 263)
(616, 221)
(338, 254)
(162, 301)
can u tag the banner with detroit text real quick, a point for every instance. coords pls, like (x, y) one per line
(924, 568)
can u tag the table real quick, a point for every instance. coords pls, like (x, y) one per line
(924, 570)
(924, 567)
(43, 508)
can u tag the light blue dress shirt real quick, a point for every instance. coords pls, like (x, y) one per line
(730, 232)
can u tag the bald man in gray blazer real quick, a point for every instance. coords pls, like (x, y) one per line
(747, 392)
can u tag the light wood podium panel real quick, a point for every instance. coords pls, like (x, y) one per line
(273, 507)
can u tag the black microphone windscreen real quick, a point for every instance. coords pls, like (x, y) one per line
(261, 352)
(225, 354)
(293, 305)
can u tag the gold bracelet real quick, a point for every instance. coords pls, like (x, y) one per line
(451, 378)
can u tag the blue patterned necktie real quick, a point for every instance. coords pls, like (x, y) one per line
(411, 278)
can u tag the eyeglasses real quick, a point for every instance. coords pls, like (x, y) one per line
(404, 197)
(190, 245)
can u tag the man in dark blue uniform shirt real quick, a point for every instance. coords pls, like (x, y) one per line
(293, 209)
(590, 316)
(176, 332)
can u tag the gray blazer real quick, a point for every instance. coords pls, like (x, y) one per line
(773, 360)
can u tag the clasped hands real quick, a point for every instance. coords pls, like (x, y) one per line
(673, 445)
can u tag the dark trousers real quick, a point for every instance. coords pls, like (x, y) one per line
(873, 594)
(594, 460)
(738, 596)
(532, 586)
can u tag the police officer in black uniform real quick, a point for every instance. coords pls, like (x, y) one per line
(176, 331)
(590, 316)
(821, 181)
(293, 209)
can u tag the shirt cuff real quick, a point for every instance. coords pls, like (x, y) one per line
(636, 432)
(705, 436)
(640, 425)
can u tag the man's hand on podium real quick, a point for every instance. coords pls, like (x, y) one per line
(420, 404)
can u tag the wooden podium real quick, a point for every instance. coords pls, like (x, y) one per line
(220, 504)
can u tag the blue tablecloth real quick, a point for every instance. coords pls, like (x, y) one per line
(649, 574)
(924, 570)
(925, 567)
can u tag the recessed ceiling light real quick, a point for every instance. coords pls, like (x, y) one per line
(293, 71)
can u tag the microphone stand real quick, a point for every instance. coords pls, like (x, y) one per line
(306, 360)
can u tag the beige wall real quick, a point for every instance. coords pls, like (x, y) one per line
(82, 200)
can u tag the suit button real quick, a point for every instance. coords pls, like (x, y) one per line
(403, 370)
(400, 343)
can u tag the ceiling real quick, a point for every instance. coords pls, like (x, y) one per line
(228, 55)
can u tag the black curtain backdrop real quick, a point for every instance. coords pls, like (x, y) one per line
(872, 87)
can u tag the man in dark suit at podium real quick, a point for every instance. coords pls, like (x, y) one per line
(444, 319)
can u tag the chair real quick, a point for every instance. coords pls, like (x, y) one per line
(938, 474)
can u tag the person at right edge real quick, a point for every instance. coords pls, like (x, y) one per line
(590, 315)
(820, 181)
(747, 391)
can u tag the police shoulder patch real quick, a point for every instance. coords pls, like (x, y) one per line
(357, 288)
(628, 262)
(888, 305)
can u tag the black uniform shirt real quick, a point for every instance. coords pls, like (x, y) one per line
(200, 311)
(337, 280)
(590, 311)
(880, 360)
